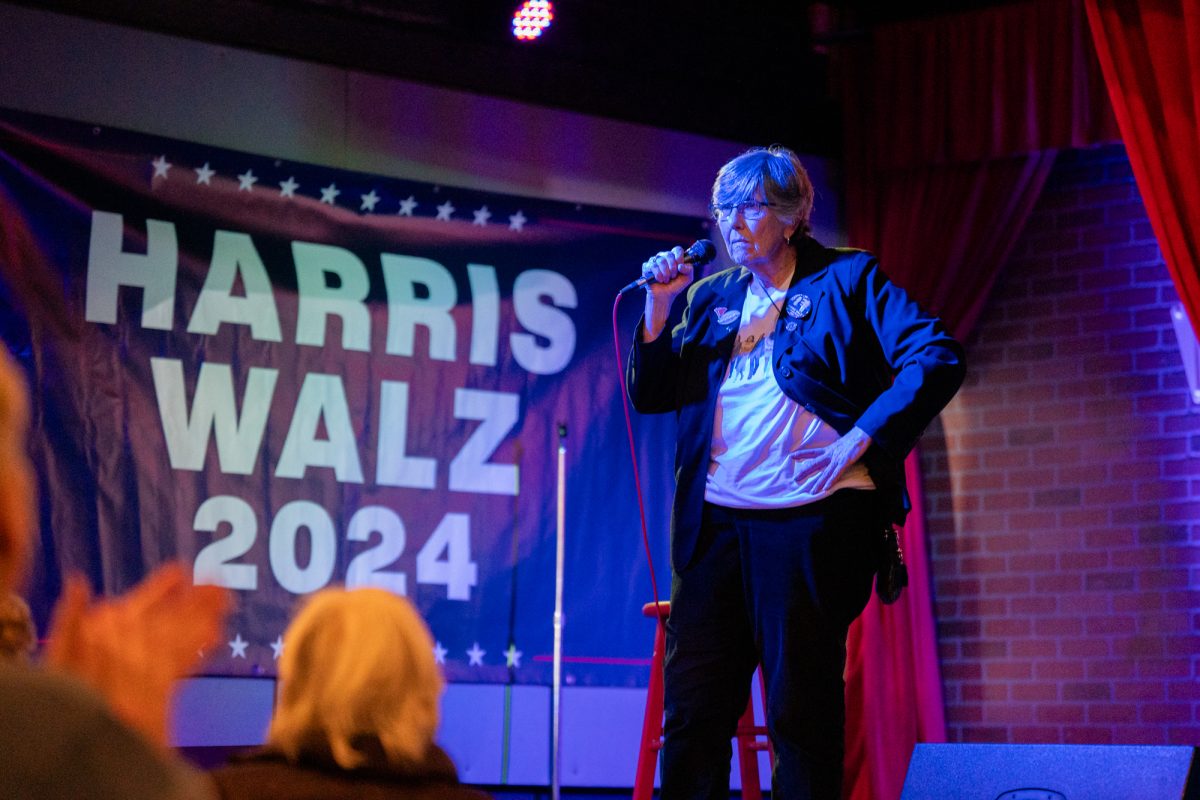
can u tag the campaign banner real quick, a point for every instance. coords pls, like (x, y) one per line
(288, 376)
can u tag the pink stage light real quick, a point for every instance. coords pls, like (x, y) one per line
(533, 17)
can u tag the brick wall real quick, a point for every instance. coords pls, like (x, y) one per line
(1063, 485)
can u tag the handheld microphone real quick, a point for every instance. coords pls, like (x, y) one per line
(700, 253)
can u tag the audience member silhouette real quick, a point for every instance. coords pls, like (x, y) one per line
(93, 723)
(357, 709)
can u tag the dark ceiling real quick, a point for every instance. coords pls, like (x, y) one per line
(755, 72)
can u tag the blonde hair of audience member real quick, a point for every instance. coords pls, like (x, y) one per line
(17, 487)
(18, 634)
(357, 664)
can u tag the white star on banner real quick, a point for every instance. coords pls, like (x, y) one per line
(407, 205)
(237, 647)
(288, 188)
(516, 221)
(439, 653)
(475, 655)
(482, 215)
(330, 193)
(368, 201)
(444, 211)
(247, 180)
(513, 656)
(277, 646)
(204, 174)
(161, 166)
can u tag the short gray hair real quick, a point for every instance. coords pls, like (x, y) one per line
(778, 172)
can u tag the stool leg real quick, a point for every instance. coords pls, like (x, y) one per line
(749, 746)
(762, 693)
(643, 784)
(748, 754)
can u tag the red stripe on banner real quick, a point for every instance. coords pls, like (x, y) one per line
(659, 236)
(628, 662)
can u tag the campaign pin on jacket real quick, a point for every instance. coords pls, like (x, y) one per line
(726, 316)
(799, 306)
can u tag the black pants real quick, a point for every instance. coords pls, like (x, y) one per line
(780, 587)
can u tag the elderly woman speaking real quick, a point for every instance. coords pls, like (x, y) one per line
(801, 378)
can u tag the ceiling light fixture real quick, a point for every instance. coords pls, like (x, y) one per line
(532, 18)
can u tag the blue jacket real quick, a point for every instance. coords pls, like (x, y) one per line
(851, 347)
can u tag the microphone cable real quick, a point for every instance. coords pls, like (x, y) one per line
(699, 254)
(637, 481)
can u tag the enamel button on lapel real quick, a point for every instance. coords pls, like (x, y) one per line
(799, 307)
(726, 316)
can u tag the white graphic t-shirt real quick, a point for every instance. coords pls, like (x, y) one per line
(760, 435)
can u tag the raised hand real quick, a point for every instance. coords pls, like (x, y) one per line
(672, 274)
(134, 647)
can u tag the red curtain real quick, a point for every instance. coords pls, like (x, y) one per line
(952, 126)
(1150, 54)
(943, 232)
(896, 684)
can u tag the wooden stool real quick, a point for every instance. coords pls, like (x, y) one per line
(751, 738)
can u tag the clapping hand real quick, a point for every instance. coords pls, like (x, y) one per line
(134, 647)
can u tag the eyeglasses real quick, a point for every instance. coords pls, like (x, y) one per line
(751, 210)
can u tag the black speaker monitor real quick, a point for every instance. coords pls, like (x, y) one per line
(1051, 772)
